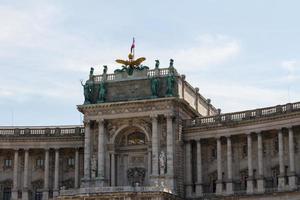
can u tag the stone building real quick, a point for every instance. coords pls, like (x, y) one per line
(148, 134)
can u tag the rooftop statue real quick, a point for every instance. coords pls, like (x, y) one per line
(131, 64)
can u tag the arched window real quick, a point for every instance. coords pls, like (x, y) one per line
(136, 138)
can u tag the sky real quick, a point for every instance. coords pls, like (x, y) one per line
(240, 54)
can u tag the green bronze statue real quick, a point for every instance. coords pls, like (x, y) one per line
(91, 73)
(154, 87)
(102, 93)
(87, 91)
(170, 85)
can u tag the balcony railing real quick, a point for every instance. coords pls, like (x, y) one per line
(41, 131)
(150, 73)
(242, 116)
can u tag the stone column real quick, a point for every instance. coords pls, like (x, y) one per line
(281, 181)
(199, 189)
(154, 146)
(188, 165)
(170, 150)
(46, 176)
(87, 151)
(292, 174)
(219, 188)
(76, 178)
(250, 167)
(101, 150)
(25, 179)
(113, 170)
(56, 174)
(14, 194)
(229, 184)
(260, 179)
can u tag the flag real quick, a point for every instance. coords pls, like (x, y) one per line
(132, 46)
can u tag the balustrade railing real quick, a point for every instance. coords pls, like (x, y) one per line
(41, 131)
(244, 115)
(150, 73)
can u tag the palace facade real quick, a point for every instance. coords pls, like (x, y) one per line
(148, 134)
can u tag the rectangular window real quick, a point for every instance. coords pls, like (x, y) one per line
(7, 163)
(39, 163)
(71, 162)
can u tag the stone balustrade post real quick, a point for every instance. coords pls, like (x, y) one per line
(229, 183)
(260, 179)
(292, 174)
(46, 176)
(14, 194)
(250, 167)
(281, 180)
(219, 187)
(199, 188)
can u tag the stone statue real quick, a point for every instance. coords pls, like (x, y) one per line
(154, 87)
(91, 73)
(162, 162)
(87, 90)
(102, 92)
(171, 63)
(104, 69)
(156, 64)
(170, 85)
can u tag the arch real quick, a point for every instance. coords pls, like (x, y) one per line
(122, 128)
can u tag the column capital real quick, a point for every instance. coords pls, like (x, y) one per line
(228, 137)
(16, 149)
(26, 149)
(218, 137)
(46, 149)
(169, 115)
(154, 116)
(56, 148)
(100, 120)
(249, 133)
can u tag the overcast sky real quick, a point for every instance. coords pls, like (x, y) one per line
(241, 54)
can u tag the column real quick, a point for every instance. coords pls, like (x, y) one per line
(229, 184)
(14, 194)
(250, 168)
(76, 179)
(199, 189)
(154, 146)
(113, 170)
(56, 173)
(260, 179)
(25, 179)
(87, 151)
(170, 149)
(188, 172)
(292, 174)
(281, 181)
(46, 176)
(101, 150)
(219, 188)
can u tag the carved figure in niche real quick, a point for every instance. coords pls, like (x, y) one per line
(102, 92)
(170, 85)
(162, 162)
(154, 87)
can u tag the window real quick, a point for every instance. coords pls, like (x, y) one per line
(136, 138)
(7, 163)
(39, 163)
(71, 162)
